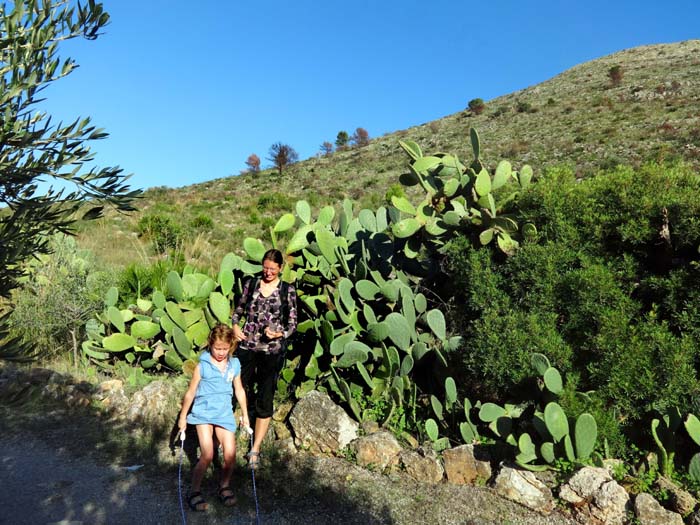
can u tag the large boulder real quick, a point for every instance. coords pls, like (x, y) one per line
(596, 497)
(523, 487)
(467, 464)
(320, 426)
(422, 464)
(379, 450)
(154, 404)
(650, 512)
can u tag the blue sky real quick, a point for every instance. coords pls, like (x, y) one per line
(187, 90)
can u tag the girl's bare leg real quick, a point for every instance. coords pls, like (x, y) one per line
(206, 446)
(228, 442)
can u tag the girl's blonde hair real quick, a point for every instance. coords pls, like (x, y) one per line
(224, 333)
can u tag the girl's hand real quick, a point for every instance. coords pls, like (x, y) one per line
(271, 334)
(238, 333)
(182, 424)
(245, 422)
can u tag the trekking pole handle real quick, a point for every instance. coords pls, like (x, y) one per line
(249, 430)
(182, 436)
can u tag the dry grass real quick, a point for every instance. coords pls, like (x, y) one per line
(577, 118)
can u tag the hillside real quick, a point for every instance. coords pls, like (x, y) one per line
(577, 118)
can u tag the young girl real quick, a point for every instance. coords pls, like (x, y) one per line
(214, 380)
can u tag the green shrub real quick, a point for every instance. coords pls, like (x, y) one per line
(610, 294)
(275, 202)
(477, 106)
(139, 280)
(162, 231)
(59, 294)
(202, 222)
(395, 190)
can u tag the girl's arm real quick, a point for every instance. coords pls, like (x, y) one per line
(188, 398)
(241, 398)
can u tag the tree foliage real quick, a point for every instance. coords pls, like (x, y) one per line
(477, 106)
(33, 150)
(253, 163)
(341, 140)
(615, 73)
(282, 155)
(361, 137)
(326, 148)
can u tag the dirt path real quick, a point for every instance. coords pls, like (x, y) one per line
(54, 471)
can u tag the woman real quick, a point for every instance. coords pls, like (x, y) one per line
(269, 308)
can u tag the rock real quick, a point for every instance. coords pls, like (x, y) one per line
(596, 497)
(282, 411)
(523, 487)
(111, 396)
(153, 404)
(369, 427)
(466, 464)
(650, 512)
(613, 464)
(694, 518)
(40, 376)
(422, 464)
(379, 450)
(111, 385)
(682, 501)
(285, 446)
(321, 426)
(281, 430)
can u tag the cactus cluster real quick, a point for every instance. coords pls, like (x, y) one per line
(459, 198)
(548, 434)
(665, 430)
(365, 324)
(449, 416)
(167, 329)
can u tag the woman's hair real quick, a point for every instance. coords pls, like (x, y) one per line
(274, 256)
(224, 333)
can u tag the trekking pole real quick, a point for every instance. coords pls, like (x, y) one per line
(252, 473)
(179, 476)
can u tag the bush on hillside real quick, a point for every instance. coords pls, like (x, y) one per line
(162, 231)
(141, 280)
(610, 293)
(59, 294)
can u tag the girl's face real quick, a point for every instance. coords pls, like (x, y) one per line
(220, 350)
(270, 270)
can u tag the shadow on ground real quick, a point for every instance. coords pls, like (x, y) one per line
(70, 465)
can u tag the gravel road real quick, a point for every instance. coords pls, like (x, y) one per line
(51, 473)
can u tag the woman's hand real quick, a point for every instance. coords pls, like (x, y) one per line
(271, 334)
(245, 422)
(238, 333)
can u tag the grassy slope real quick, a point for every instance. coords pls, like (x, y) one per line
(576, 118)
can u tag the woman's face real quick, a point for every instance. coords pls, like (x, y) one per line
(270, 270)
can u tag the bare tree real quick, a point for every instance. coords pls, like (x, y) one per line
(282, 155)
(326, 148)
(360, 138)
(253, 163)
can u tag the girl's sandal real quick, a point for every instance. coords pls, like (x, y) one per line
(226, 496)
(197, 502)
(253, 460)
